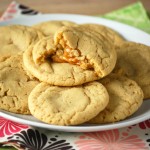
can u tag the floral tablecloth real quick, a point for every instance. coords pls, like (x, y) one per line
(20, 136)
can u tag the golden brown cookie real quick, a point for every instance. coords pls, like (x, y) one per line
(50, 27)
(87, 49)
(134, 62)
(16, 38)
(125, 98)
(73, 58)
(61, 74)
(114, 36)
(67, 105)
(15, 85)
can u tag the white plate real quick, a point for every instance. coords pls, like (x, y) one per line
(129, 33)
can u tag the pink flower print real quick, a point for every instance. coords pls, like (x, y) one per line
(145, 124)
(10, 12)
(110, 140)
(8, 127)
(12, 8)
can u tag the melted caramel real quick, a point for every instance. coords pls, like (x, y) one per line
(68, 55)
(72, 56)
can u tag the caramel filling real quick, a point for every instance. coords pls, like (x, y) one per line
(67, 55)
(72, 56)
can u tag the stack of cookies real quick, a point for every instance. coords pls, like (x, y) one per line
(64, 73)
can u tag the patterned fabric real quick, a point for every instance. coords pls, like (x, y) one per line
(136, 137)
(8, 127)
(15, 10)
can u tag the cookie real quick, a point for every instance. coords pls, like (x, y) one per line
(50, 27)
(67, 105)
(15, 85)
(89, 50)
(134, 62)
(125, 98)
(16, 38)
(115, 37)
(61, 74)
(70, 60)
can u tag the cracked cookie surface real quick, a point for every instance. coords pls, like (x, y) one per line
(95, 52)
(114, 36)
(67, 105)
(61, 74)
(125, 98)
(73, 58)
(134, 62)
(16, 38)
(15, 85)
(50, 27)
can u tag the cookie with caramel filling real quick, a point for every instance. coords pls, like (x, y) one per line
(54, 73)
(87, 49)
(74, 57)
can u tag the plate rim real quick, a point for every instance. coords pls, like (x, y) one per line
(99, 20)
(79, 128)
(76, 128)
(74, 15)
(65, 14)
